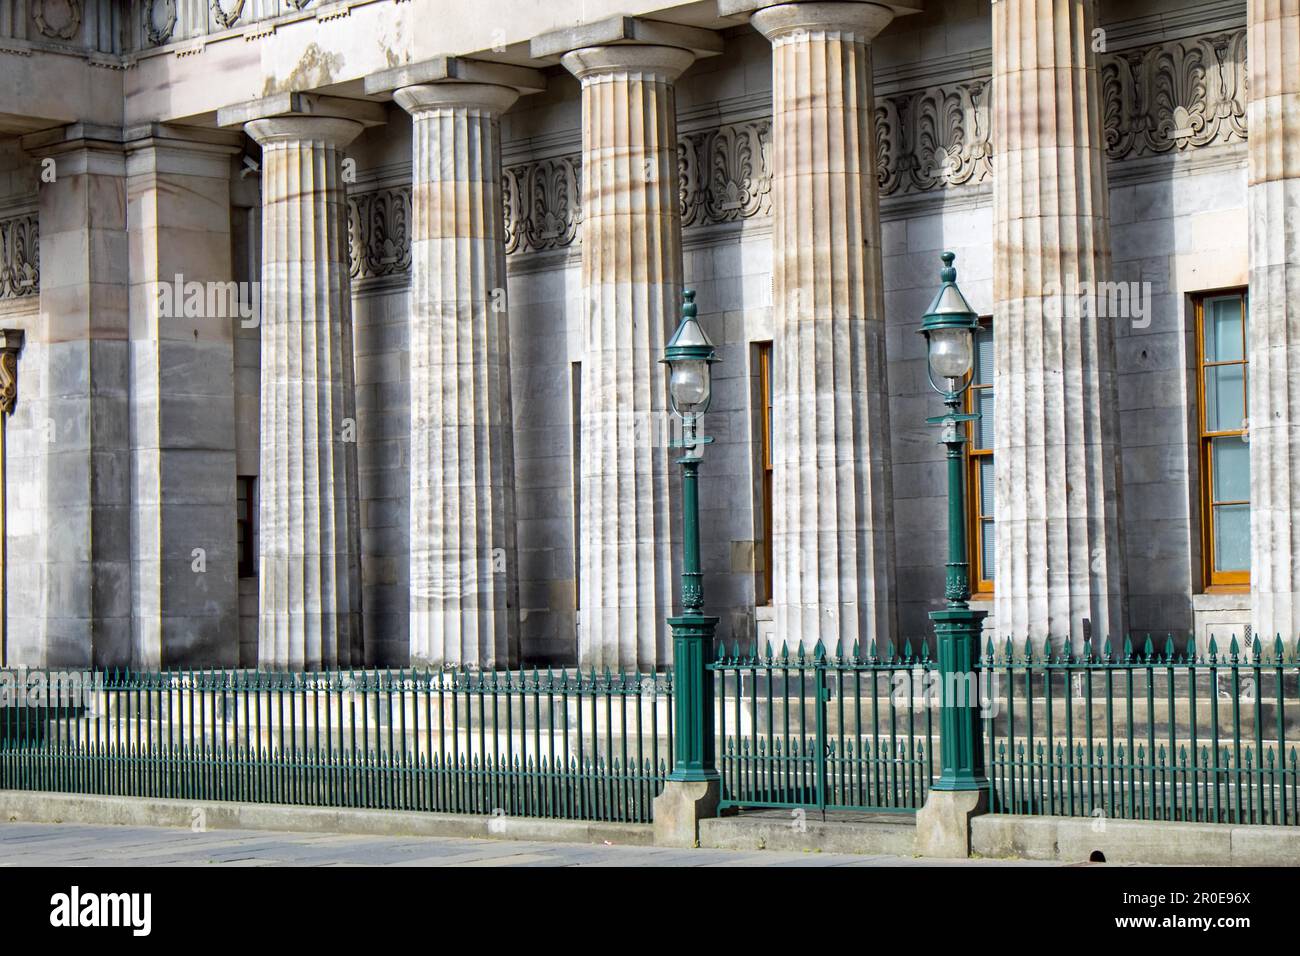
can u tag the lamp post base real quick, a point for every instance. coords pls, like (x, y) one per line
(943, 824)
(961, 742)
(693, 743)
(680, 808)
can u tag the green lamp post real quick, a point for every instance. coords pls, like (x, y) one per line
(689, 356)
(949, 328)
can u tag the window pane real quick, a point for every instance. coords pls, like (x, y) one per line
(1223, 329)
(1231, 462)
(984, 356)
(986, 486)
(987, 550)
(1232, 537)
(1225, 397)
(984, 427)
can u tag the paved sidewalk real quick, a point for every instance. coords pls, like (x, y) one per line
(65, 844)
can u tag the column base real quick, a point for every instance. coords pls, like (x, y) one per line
(943, 824)
(680, 808)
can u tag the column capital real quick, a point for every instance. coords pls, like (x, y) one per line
(282, 129)
(860, 21)
(625, 31)
(284, 117)
(451, 95)
(660, 62)
(459, 69)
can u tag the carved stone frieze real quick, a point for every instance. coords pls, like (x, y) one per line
(933, 137)
(543, 203)
(1176, 95)
(20, 259)
(379, 232)
(725, 173)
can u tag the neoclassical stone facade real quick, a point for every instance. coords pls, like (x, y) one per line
(337, 325)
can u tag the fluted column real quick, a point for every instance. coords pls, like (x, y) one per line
(832, 534)
(1273, 201)
(464, 606)
(631, 277)
(1059, 555)
(309, 541)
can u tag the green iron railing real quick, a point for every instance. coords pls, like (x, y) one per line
(1185, 735)
(569, 745)
(806, 730)
(1145, 735)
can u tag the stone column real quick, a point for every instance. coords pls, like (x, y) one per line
(184, 310)
(631, 277)
(1059, 554)
(1273, 201)
(309, 541)
(464, 592)
(832, 534)
(82, 600)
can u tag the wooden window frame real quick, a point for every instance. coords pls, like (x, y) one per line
(764, 583)
(1212, 580)
(981, 586)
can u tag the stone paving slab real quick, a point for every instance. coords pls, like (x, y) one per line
(29, 844)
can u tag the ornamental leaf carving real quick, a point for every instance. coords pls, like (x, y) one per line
(541, 203)
(726, 173)
(510, 208)
(933, 137)
(1176, 95)
(20, 262)
(554, 191)
(1122, 112)
(8, 380)
(740, 181)
(690, 188)
(379, 234)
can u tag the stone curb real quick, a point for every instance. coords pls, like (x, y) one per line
(802, 835)
(22, 806)
(1074, 839)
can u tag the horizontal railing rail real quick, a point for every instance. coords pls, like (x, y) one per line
(1149, 734)
(546, 744)
(804, 729)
